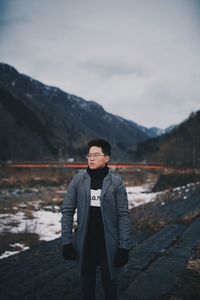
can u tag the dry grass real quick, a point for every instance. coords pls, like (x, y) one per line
(193, 263)
(29, 213)
(28, 201)
(147, 219)
(28, 239)
(138, 177)
(152, 217)
(10, 178)
(191, 216)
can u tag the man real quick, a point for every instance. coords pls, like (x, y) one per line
(102, 235)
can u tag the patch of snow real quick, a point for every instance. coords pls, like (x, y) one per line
(22, 205)
(177, 189)
(21, 247)
(139, 195)
(60, 192)
(52, 208)
(48, 225)
(44, 223)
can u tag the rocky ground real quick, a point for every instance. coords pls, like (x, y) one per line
(164, 259)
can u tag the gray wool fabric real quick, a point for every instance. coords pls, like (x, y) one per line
(115, 215)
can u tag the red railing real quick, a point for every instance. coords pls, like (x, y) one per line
(80, 165)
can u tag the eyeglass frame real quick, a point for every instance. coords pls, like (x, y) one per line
(98, 155)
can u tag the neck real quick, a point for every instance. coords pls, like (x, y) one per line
(100, 172)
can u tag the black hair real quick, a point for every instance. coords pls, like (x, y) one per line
(105, 145)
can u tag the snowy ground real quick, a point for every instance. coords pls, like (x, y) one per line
(46, 221)
(139, 195)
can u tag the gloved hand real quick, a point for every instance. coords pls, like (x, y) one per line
(121, 257)
(69, 252)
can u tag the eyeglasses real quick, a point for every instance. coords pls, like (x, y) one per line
(95, 156)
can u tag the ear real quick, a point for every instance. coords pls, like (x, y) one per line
(107, 158)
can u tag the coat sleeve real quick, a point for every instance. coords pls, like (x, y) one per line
(124, 223)
(68, 209)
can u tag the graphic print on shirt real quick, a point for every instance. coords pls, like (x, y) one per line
(95, 198)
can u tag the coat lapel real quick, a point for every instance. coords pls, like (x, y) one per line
(87, 183)
(105, 185)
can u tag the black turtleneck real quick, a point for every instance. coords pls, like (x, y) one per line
(95, 233)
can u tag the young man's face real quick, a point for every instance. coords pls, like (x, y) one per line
(97, 159)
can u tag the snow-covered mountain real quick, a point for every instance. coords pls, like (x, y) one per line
(155, 131)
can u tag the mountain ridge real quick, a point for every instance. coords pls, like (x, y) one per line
(64, 122)
(180, 146)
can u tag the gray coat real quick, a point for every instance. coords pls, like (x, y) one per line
(115, 215)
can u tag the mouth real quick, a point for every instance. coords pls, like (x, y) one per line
(91, 164)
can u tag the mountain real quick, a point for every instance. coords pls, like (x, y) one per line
(170, 128)
(40, 122)
(179, 146)
(152, 132)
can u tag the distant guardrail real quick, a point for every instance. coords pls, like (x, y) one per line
(120, 165)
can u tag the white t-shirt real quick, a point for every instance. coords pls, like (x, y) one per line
(95, 198)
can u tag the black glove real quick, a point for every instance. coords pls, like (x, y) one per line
(69, 252)
(121, 257)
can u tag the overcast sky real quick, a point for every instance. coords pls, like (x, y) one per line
(139, 59)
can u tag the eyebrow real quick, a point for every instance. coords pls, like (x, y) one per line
(95, 153)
